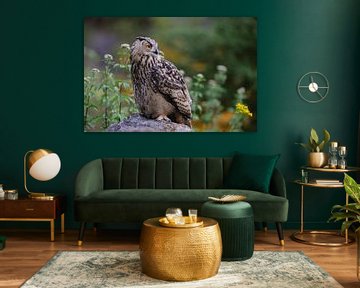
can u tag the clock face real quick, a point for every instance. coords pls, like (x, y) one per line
(313, 87)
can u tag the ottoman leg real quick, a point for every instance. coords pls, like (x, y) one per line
(95, 227)
(265, 227)
(2, 242)
(81, 233)
(280, 233)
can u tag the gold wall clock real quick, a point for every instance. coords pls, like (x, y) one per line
(313, 87)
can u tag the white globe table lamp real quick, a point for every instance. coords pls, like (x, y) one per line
(43, 165)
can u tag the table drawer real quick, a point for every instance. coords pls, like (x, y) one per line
(28, 209)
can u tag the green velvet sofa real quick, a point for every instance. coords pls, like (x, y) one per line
(130, 190)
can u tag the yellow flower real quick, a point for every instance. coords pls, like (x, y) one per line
(243, 109)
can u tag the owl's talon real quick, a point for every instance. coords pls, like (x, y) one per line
(163, 117)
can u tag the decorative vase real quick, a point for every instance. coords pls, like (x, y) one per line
(317, 159)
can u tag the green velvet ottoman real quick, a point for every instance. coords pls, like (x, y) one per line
(236, 221)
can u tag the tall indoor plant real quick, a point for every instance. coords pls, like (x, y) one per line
(350, 213)
(317, 157)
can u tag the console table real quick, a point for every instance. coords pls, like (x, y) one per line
(27, 209)
(297, 235)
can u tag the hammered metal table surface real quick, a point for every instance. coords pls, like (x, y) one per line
(180, 254)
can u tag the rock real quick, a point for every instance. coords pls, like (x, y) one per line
(138, 123)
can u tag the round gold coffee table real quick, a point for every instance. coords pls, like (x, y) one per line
(180, 254)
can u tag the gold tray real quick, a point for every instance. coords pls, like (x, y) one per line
(228, 198)
(165, 222)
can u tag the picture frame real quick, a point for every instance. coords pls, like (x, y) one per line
(204, 76)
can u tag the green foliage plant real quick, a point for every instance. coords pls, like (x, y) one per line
(241, 111)
(349, 214)
(108, 96)
(206, 95)
(90, 90)
(314, 144)
(197, 91)
(206, 100)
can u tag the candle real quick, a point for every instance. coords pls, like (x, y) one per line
(342, 149)
(342, 154)
(333, 151)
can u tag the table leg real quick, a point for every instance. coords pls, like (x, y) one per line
(302, 209)
(52, 230)
(346, 230)
(299, 235)
(63, 223)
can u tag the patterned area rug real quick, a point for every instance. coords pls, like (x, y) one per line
(122, 269)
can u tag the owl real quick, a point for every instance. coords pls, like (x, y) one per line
(159, 88)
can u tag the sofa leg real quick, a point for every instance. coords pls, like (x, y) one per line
(280, 233)
(265, 227)
(81, 233)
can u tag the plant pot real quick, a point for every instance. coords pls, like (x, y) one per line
(317, 159)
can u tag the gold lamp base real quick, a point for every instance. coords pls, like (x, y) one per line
(41, 196)
(31, 158)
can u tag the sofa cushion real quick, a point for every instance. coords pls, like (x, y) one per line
(164, 173)
(266, 207)
(251, 172)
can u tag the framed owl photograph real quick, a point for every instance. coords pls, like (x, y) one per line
(170, 74)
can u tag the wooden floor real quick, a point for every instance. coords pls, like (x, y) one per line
(28, 250)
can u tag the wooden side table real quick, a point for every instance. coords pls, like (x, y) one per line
(27, 209)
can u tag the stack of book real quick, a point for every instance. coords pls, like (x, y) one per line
(327, 181)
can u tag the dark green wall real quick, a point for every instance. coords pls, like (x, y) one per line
(41, 93)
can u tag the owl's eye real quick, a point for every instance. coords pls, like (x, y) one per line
(147, 45)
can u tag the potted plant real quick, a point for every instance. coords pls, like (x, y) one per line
(350, 214)
(317, 157)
